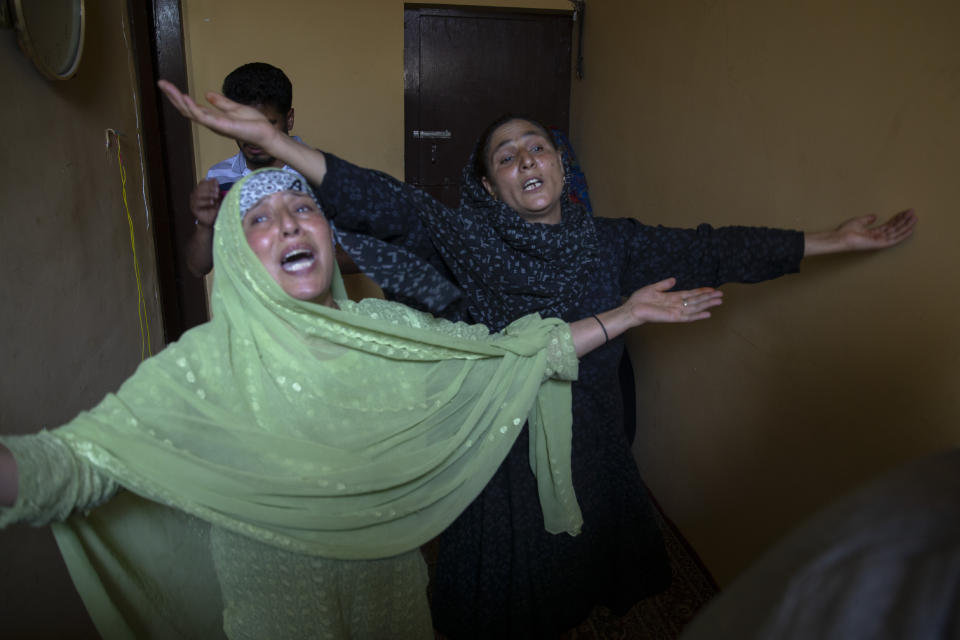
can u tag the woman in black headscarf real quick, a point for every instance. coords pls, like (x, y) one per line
(516, 245)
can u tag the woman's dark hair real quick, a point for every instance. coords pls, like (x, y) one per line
(259, 83)
(482, 150)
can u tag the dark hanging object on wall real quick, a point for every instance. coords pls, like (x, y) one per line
(579, 13)
(50, 33)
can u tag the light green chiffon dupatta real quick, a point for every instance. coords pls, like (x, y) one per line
(353, 433)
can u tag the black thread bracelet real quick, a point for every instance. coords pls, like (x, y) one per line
(606, 336)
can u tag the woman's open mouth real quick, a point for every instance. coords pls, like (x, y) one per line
(532, 183)
(297, 260)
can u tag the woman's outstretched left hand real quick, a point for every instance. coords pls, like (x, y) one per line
(861, 236)
(858, 234)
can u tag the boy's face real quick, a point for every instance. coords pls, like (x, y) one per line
(256, 157)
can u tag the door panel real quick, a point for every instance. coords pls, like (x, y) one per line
(466, 67)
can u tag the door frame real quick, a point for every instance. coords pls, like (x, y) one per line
(158, 50)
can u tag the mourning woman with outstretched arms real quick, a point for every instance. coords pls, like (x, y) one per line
(273, 473)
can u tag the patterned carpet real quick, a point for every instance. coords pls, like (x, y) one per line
(662, 617)
(659, 618)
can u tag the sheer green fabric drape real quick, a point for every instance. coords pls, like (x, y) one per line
(351, 433)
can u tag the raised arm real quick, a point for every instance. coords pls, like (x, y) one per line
(857, 234)
(241, 122)
(366, 201)
(708, 256)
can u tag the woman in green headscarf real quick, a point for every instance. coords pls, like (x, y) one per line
(286, 460)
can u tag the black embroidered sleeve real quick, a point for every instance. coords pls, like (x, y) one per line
(705, 256)
(379, 222)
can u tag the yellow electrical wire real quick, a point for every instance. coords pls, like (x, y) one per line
(141, 301)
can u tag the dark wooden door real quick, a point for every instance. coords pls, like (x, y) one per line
(463, 68)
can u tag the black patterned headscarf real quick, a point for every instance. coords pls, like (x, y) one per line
(509, 267)
(493, 267)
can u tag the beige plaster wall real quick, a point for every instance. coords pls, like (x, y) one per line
(797, 115)
(69, 315)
